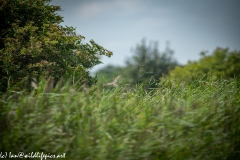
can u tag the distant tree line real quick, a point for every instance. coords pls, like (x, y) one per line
(148, 66)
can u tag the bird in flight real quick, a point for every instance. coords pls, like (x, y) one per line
(114, 82)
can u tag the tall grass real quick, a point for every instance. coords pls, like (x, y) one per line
(175, 121)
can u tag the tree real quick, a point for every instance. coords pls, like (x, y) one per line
(148, 64)
(221, 64)
(33, 43)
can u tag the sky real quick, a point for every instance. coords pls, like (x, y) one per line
(189, 26)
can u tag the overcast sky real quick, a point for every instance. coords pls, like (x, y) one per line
(191, 26)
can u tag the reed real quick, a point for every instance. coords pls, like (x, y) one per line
(197, 121)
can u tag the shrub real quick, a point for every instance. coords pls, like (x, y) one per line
(221, 64)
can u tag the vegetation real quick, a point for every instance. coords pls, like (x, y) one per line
(221, 64)
(34, 44)
(148, 64)
(198, 119)
(145, 66)
(176, 121)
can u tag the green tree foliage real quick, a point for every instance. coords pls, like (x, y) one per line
(33, 43)
(221, 64)
(148, 64)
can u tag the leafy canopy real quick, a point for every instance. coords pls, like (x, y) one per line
(33, 43)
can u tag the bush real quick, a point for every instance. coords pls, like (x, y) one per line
(221, 64)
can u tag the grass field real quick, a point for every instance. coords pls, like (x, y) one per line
(175, 121)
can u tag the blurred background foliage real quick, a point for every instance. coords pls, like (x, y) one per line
(221, 64)
(148, 66)
(145, 66)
